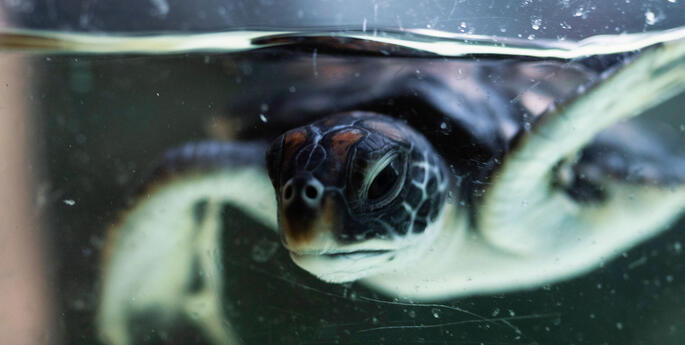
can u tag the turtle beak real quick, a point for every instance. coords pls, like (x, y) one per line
(305, 215)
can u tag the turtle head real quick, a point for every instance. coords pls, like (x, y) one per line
(358, 194)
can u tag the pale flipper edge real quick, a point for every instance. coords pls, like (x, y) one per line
(171, 234)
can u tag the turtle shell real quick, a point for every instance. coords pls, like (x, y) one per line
(473, 110)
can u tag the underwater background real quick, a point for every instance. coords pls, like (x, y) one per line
(99, 122)
(104, 120)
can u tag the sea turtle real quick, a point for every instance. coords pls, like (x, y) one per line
(423, 179)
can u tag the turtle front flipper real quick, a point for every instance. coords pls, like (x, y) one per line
(637, 152)
(163, 254)
(530, 212)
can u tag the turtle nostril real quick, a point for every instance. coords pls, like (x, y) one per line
(307, 190)
(311, 192)
(288, 192)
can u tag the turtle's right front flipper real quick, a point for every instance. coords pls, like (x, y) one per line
(163, 254)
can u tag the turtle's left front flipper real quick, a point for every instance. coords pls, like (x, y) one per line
(163, 254)
(572, 192)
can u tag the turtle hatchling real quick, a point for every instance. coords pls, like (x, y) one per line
(421, 178)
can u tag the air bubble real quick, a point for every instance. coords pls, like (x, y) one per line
(650, 17)
(535, 23)
(581, 12)
(436, 313)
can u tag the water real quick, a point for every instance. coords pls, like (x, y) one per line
(101, 115)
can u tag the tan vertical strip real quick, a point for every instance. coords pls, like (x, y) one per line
(25, 311)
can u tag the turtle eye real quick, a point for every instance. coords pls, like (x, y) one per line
(384, 180)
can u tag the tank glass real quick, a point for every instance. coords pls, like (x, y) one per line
(88, 111)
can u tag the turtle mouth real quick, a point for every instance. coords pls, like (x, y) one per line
(357, 253)
(341, 254)
(341, 266)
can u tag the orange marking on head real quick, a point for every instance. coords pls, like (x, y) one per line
(341, 142)
(295, 233)
(293, 141)
(386, 129)
(328, 216)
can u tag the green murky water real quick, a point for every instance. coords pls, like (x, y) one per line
(104, 108)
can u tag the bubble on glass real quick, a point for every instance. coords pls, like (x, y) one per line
(535, 23)
(583, 11)
(650, 17)
(653, 17)
(161, 8)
